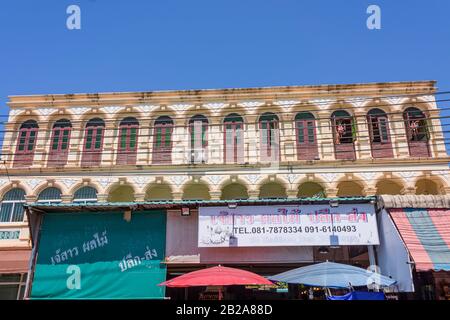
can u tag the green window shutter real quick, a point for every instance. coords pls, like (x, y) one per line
(123, 138)
(98, 139)
(133, 138)
(65, 139)
(383, 129)
(311, 137)
(158, 136)
(203, 134)
(229, 134)
(264, 132)
(301, 137)
(354, 130)
(167, 138)
(55, 140)
(89, 139)
(238, 134)
(31, 140)
(22, 140)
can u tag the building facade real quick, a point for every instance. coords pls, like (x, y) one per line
(291, 142)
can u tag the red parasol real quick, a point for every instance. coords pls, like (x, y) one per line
(216, 276)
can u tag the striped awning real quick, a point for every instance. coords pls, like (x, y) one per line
(426, 234)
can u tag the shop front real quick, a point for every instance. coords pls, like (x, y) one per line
(268, 239)
(416, 230)
(98, 255)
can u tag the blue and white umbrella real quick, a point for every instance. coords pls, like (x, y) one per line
(333, 275)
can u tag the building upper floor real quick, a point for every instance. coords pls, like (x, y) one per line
(306, 124)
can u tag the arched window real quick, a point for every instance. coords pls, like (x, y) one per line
(270, 138)
(162, 141)
(50, 195)
(234, 138)
(344, 134)
(272, 190)
(305, 126)
(417, 132)
(26, 144)
(380, 139)
(93, 142)
(11, 206)
(121, 193)
(59, 147)
(198, 130)
(85, 195)
(128, 139)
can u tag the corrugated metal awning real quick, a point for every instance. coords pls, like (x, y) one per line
(426, 234)
(167, 204)
(415, 201)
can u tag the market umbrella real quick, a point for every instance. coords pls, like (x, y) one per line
(333, 275)
(216, 276)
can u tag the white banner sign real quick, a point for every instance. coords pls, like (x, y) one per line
(305, 225)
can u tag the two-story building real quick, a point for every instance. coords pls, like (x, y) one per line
(176, 151)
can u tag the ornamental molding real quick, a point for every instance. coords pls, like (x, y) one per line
(3, 182)
(368, 176)
(69, 183)
(358, 102)
(291, 177)
(147, 108)
(286, 104)
(111, 109)
(180, 107)
(330, 177)
(80, 110)
(215, 180)
(250, 104)
(397, 101)
(33, 183)
(407, 175)
(178, 180)
(14, 112)
(322, 103)
(428, 98)
(253, 178)
(46, 111)
(216, 106)
(141, 181)
(104, 182)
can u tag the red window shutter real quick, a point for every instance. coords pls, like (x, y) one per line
(93, 145)
(59, 146)
(26, 144)
(128, 141)
(162, 143)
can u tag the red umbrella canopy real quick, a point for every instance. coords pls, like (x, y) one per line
(216, 276)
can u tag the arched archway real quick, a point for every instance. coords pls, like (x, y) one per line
(350, 189)
(311, 190)
(121, 193)
(389, 187)
(160, 191)
(11, 206)
(427, 187)
(272, 190)
(196, 191)
(234, 191)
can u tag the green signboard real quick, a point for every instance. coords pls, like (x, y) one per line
(101, 256)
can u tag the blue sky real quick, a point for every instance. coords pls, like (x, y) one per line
(149, 45)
